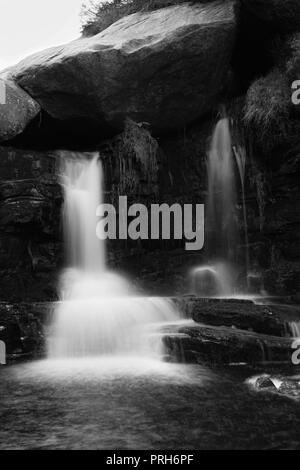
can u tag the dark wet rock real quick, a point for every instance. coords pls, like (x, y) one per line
(18, 110)
(23, 327)
(283, 15)
(265, 382)
(244, 315)
(165, 68)
(281, 385)
(272, 180)
(30, 240)
(219, 345)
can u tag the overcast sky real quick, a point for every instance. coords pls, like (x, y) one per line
(27, 26)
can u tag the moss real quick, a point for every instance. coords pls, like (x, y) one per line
(98, 16)
(268, 111)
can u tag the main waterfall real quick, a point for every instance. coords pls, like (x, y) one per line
(99, 313)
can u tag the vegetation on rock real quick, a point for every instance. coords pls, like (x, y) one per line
(97, 16)
(268, 111)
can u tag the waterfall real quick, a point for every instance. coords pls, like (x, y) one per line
(217, 278)
(82, 183)
(99, 313)
(221, 201)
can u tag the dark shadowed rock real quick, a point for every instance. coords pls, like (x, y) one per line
(30, 246)
(240, 314)
(17, 109)
(165, 67)
(281, 14)
(220, 345)
(23, 328)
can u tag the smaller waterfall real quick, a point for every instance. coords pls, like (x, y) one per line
(221, 204)
(100, 313)
(217, 277)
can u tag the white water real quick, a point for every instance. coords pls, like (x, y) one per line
(99, 314)
(82, 182)
(221, 203)
(217, 276)
(212, 281)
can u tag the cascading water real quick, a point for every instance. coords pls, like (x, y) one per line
(99, 314)
(221, 201)
(82, 183)
(221, 217)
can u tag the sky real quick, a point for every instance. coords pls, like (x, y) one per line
(27, 26)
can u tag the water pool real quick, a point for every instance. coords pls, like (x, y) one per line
(138, 404)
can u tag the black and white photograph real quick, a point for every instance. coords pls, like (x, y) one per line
(149, 228)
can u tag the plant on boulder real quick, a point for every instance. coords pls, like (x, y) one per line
(98, 15)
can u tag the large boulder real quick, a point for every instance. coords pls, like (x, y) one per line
(17, 109)
(165, 67)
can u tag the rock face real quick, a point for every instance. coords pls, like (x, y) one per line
(281, 14)
(17, 109)
(23, 328)
(207, 344)
(231, 332)
(273, 178)
(166, 68)
(242, 315)
(30, 242)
